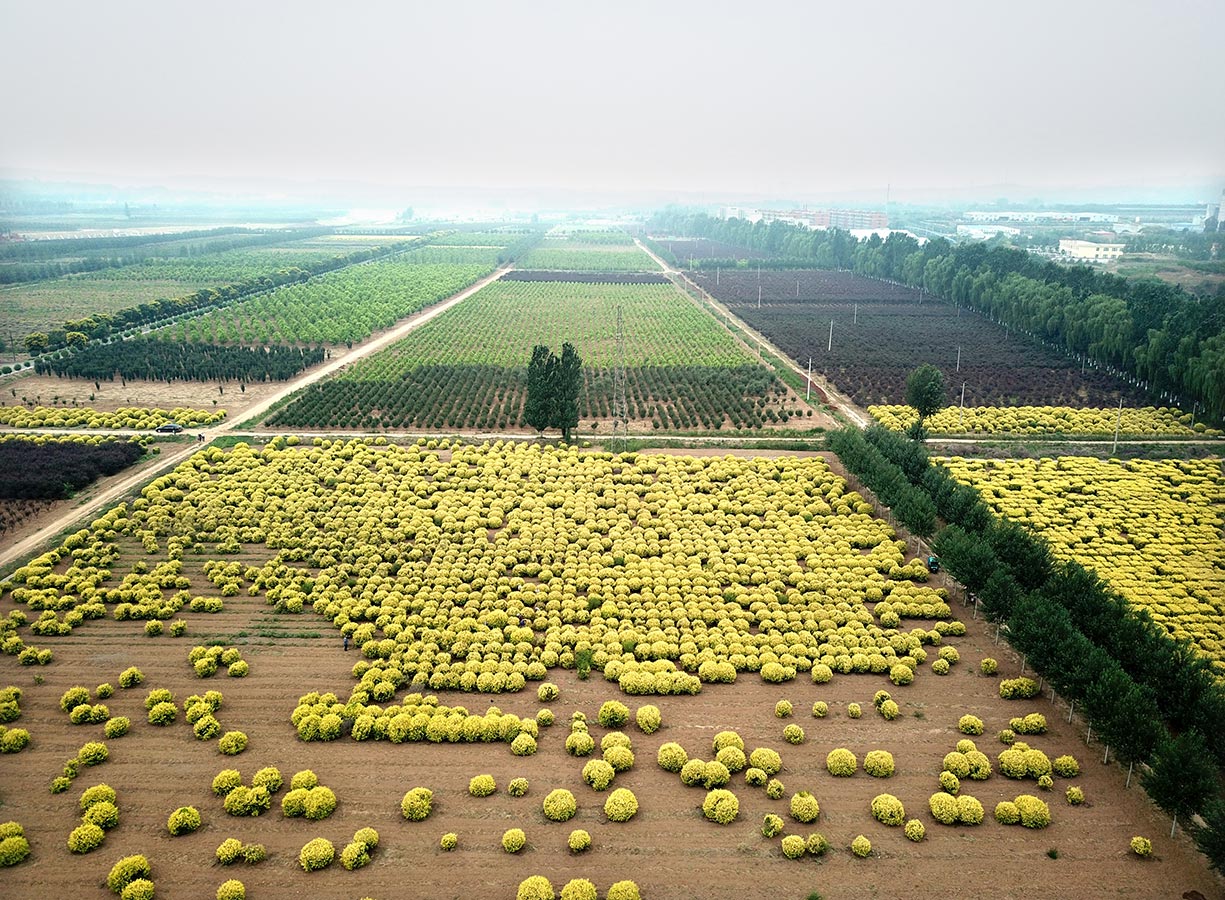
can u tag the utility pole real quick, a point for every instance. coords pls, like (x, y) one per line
(1117, 423)
(620, 407)
(961, 414)
(830, 345)
(808, 393)
(959, 357)
(759, 296)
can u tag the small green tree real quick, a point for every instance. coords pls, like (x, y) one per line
(925, 393)
(1182, 777)
(1211, 838)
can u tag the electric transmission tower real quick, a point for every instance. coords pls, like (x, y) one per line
(620, 408)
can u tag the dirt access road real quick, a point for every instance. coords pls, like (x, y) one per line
(837, 400)
(173, 454)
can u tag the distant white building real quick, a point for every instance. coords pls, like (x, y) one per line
(1037, 217)
(1091, 251)
(983, 232)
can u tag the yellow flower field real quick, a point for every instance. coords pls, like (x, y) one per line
(137, 417)
(480, 568)
(1031, 420)
(1151, 529)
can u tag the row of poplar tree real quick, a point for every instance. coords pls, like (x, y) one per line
(553, 386)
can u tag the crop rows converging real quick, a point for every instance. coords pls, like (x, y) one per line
(581, 253)
(467, 368)
(485, 569)
(881, 331)
(1047, 420)
(1151, 528)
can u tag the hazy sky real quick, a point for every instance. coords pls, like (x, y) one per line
(745, 98)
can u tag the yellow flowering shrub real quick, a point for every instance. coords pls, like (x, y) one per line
(721, 806)
(1141, 846)
(535, 887)
(560, 805)
(317, 854)
(672, 757)
(482, 786)
(771, 825)
(841, 762)
(861, 847)
(794, 846)
(416, 804)
(878, 763)
(804, 807)
(621, 805)
(579, 841)
(915, 831)
(579, 889)
(888, 810)
(514, 840)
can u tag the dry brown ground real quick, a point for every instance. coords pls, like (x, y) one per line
(111, 395)
(669, 849)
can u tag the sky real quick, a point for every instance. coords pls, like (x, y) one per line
(740, 100)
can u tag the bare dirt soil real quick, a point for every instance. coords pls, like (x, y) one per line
(669, 849)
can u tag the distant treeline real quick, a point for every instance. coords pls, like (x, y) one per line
(1172, 340)
(142, 358)
(24, 261)
(54, 470)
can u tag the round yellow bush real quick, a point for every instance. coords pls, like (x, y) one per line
(841, 762)
(233, 889)
(416, 804)
(771, 825)
(579, 841)
(623, 890)
(820, 709)
(621, 805)
(672, 757)
(721, 806)
(229, 851)
(804, 807)
(888, 810)
(1034, 812)
(514, 840)
(560, 805)
(127, 870)
(648, 719)
(579, 889)
(968, 724)
(598, 774)
(878, 763)
(317, 854)
(782, 709)
(861, 847)
(793, 846)
(767, 760)
(482, 786)
(915, 831)
(793, 734)
(449, 841)
(1141, 846)
(854, 710)
(183, 820)
(535, 887)
(1075, 796)
(727, 739)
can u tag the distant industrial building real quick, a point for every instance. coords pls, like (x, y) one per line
(1036, 217)
(985, 231)
(818, 219)
(1090, 251)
